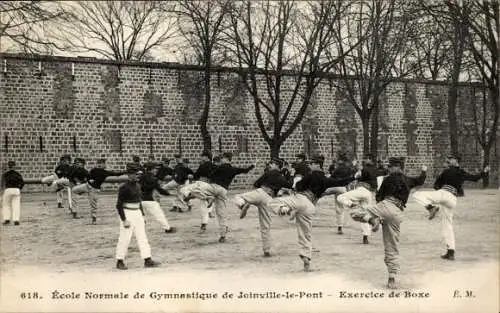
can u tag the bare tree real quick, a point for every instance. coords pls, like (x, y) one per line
(367, 70)
(22, 24)
(202, 24)
(119, 30)
(482, 27)
(280, 49)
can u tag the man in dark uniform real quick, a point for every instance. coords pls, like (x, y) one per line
(131, 215)
(182, 174)
(12, 184)
(363, 194)
(267, 187)
(444, 198)
(96, 177)
(391, 201)
(78, 178)
(302, 205)
(149, 183)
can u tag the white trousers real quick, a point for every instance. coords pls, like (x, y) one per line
(12, 204)
(339, 211)
(360, 196)
(173, 185)
(201, 201)
(136, 228)
(154, 209)
(447, 202)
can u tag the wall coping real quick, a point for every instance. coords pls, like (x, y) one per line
(190, 67)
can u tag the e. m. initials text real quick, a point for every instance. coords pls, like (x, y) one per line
(463, 294)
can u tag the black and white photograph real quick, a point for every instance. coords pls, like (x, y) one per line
(250, 156)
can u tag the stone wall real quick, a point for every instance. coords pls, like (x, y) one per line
(102, 109)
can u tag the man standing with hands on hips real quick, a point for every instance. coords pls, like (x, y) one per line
(132, 219)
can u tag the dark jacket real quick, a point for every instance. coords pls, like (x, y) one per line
(398, 186)
(224, 174)
(129, 192)
(274, 180)
(12, 179)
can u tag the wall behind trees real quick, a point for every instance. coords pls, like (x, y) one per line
(104, 109)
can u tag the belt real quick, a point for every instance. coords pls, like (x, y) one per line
(396, 202)
(132, 206)
(451, 189)
(309, 196)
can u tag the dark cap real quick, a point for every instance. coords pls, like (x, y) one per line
(133, 168)
(342, 157)
(277, 161)
(454, 156)
(207, 154)
(79, 160)
(136, 158)
(216, 158)
(318, 159)
(185, 161)
(149, 166)
(227, 155)
(177, 155)
(11, 164)
(101, 161)
(396, 161)
(300, 156)
(165, 159)
(66, 157)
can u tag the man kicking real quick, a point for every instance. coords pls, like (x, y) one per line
(363, 194)
(267, 186)
(444, 198)
(391, 201)
(302, 205)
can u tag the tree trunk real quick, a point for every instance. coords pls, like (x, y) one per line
(365, 121)
(275, 147)
(203, 121)
(374, 130)
(452, 117)
(486, 162)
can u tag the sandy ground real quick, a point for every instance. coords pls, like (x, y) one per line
(51, 255)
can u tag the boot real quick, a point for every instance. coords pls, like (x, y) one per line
(59, 205)
(307, 263)
(450, 255)
(16, 223)
(203, 227)
(432, 211)
(365, 240)
(6, 222)
(222, 239)
(120, 265)
(340, 231)
(75, 215)
(148, 262)
(94, 220)
(171, 230)
(391, 283)
(267, 254)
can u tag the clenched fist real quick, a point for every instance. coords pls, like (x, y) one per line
(126, 224)
(424, 168)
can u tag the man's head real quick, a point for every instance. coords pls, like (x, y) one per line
(172, 163)
(206, 156)
(178, 158)
(396, 165)
(185, 161)
(368, 160)
(452, 160)
(300, 157)
(317, 162)
(133, 171)
(101, 163)
(165, 161)
(65, 159)
(227, 157)
(275, 164)
(79, 162)
(11, 165)
(150, 167)
(217, 160)
(136, 159)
